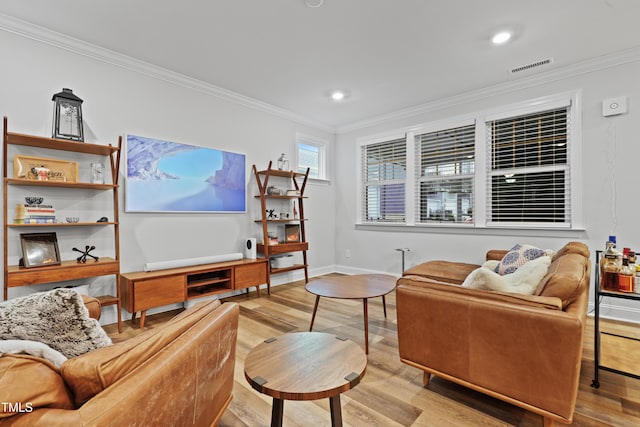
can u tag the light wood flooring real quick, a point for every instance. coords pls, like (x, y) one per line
(391, 393)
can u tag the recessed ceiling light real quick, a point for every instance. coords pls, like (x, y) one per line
(501, 37)
(314, 3)
(338, 95)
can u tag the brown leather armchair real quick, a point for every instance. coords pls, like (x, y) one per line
(523, 349)
(180, 373)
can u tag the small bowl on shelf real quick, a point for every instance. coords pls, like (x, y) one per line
(33, 200)
(72, 219)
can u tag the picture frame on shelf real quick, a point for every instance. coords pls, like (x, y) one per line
(39, 249)
(44, 169)
(292, 233)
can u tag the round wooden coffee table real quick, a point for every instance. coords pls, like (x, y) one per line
(357, 286)
(305, 366)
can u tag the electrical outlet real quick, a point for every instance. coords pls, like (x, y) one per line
(347, 253)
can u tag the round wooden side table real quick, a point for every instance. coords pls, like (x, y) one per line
(357, 286)
(305, 366)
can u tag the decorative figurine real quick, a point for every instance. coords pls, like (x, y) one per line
(271, 214)
(85, 254)
(283, 162)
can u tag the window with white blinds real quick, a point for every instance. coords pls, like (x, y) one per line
(445, 166)
(516, 166)
(528, 169)
(384, 167)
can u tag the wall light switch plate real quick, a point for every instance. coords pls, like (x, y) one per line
(615, 106)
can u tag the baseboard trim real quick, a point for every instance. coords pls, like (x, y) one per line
(616, 312)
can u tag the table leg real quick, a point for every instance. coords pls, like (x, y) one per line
(366, 325)
(313, 316)
(336, 411)
(143, 317)
(384, 306)
(277, 412)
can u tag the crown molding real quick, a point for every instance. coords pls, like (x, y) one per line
(34, 32)
(573, 70)
(40, 34)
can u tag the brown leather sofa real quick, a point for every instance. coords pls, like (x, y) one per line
(522, 349)
(178, 374)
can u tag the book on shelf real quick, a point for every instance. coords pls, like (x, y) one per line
(39, 220)
(26, 210)
(34, 214)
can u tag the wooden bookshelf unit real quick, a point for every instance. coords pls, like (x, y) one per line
(68, 269)
(295, 182)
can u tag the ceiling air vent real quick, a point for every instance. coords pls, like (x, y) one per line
(532, 65)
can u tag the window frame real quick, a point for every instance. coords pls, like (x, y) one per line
(481, 186)
(360, 177)
(322, 146)
(438, 126)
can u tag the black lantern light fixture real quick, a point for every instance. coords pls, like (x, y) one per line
(67, 116)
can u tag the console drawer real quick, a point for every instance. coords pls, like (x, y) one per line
(157, 292)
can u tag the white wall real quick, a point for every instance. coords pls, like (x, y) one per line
(119, 100)
(611, 160)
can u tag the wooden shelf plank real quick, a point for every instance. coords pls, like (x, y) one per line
(282, 174)
(282, 248)
(59, 144)
(62, 224)
(107, 300)
(36, 183)
(285, 269)
(209, 281)
(68, 270)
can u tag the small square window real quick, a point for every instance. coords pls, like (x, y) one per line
(311, 154)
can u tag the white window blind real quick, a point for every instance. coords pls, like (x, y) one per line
(384, 167)
(528, 169)
(445, 168)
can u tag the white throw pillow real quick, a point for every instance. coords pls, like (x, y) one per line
(33, 348)
(522, 281)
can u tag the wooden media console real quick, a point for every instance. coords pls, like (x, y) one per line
(142, 290)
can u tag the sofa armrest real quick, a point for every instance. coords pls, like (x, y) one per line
(509, 348)
(93, 305)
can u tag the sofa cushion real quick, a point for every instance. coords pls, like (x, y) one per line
(518, 256)
(30, 382)
(421, 284)
(89, 374)
(57, 318)
(565, 278)
(522, 281)
(442, 271)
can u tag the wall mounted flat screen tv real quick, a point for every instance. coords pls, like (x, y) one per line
(164, 176)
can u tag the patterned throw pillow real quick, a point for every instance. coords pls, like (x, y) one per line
(517, 256)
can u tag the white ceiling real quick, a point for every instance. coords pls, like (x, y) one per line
(389, 54)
